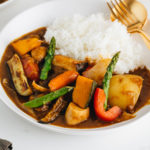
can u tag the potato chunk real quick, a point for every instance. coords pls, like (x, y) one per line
(124, 91)
(75, 115)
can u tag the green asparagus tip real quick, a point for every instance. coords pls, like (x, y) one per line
(53, 40)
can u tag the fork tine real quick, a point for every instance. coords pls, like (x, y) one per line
(127, 11)
(124, 13)
(121, 18)
(112, 11)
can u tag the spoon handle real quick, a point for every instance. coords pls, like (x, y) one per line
(145, 37)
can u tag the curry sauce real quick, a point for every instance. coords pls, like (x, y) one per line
(2, 1)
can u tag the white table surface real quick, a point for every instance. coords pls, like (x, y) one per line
(25, 136)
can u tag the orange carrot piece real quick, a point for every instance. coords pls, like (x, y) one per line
(63, 80)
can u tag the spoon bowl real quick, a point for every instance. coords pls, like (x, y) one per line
(139, 11)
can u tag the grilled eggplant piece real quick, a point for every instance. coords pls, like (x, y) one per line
(42, 108)
(18, 76)
(69, 63)
(55, 111)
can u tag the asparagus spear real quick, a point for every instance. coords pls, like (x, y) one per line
(108, 76)
(48, 59)
(48, 98)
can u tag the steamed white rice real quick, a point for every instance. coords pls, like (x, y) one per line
(95, 37)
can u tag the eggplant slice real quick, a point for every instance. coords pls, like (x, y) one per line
(18, 76)
(59, 106)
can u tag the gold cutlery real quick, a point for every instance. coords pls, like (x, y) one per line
(132, 14)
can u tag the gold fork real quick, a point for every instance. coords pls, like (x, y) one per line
(121, 11)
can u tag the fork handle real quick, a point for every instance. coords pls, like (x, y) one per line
(145, 37)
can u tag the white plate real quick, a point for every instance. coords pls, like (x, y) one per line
(40, 16)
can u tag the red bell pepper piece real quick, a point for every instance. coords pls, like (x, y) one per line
(31, 69)
(99, 100)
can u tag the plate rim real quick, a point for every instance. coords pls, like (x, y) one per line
(69, 131)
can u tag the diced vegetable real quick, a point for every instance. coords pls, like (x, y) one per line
(99, 100)
(75, 115)
(24, 46)
(39, 53)
(108, 76)
(59, 105)
(30, 67)
(83, 91)
(124, 91)
(62, 80)
(69, 63)
(18, 76)
(39, 87)
(48, 60)
(48, 98)
(98, 71)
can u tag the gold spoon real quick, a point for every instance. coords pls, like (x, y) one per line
(132, 14)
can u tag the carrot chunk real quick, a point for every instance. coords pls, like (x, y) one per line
(63, 80)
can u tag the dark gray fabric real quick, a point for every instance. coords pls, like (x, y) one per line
(5, 145)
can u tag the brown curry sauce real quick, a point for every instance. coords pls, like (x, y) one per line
(2, 1)
(93, 121)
